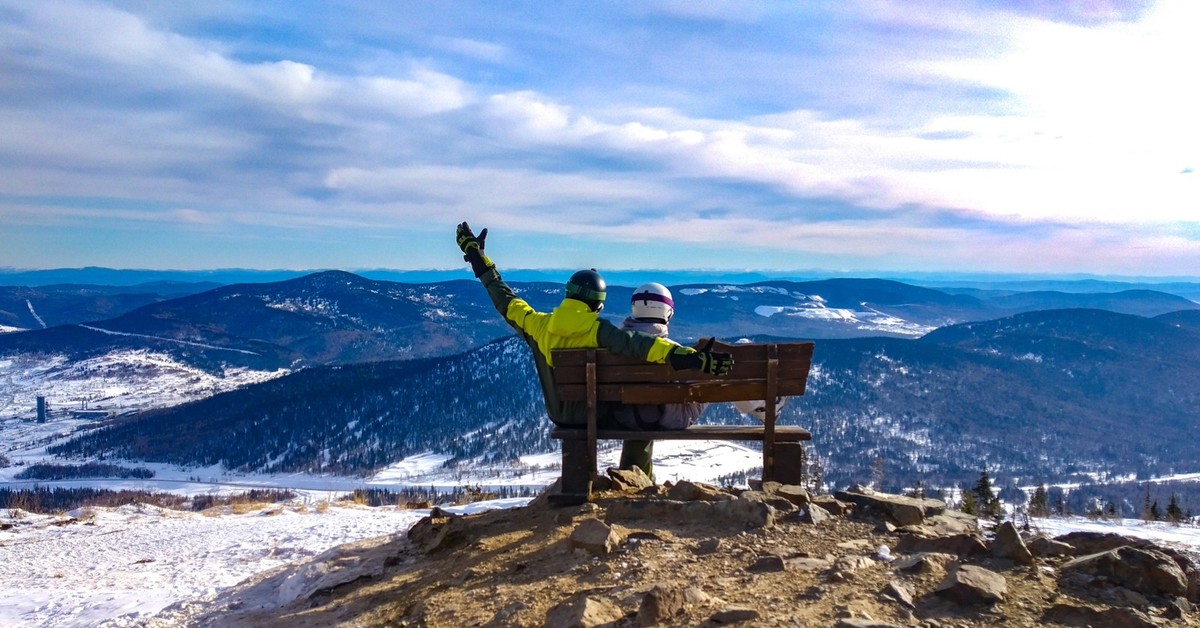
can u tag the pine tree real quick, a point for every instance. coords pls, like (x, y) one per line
(1111, 510)
(1039, 503)
(968, 504)
(1174, 512)
(987, 502)
(1146, 504)
(1155, 513)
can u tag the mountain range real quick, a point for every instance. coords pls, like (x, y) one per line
(935, 385)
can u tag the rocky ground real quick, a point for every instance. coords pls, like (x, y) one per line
(694, 555)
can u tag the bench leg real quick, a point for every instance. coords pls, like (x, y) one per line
(790, 463)
(576, 485)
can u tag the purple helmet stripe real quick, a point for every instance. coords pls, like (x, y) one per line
(650, 296)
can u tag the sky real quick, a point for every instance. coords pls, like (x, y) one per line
(1030, 136)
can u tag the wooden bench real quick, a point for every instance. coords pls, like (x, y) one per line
(760, 371)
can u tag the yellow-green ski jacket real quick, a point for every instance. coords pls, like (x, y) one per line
(570, 326)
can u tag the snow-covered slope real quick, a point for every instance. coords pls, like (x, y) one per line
(115, 383)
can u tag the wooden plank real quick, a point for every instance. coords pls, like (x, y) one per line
(769, 420)
(706, 392)
(591, 411)
(783, 433)
(661, 373)
(752, 352)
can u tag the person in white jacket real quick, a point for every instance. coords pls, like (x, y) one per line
(651, 310)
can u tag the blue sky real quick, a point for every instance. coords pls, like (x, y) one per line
(1027, 136)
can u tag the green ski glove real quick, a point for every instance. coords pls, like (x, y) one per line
(705, 360)
(472, 248)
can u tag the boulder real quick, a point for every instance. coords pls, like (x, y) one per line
(767, 564)
(832, 505)
(798, 495)
(1145, 571)
(778, 503)
(596, 537)
(686, 491)
(660, 604)
(735, 513)
(629, 480)
(945, 524)
(904, 511)
(1008, 544)
(970, 585)
(899, 592)
(813, 514)
(1044, 546)
(961, 545)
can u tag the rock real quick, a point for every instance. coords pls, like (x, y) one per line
(1144, 571)
(629, 480)
(1095, 542)
(748, 513)
(948, 523)
(1178, 608)
(1043, 546)
(583, 611)
(851, 564)
(969, 585)
(708, 546)
(925, 563)
(767, 564)
(686, 491)
(1008, 544)
(774, 501)
(1070, 615)
(961, 545)
(814, 515)
(735, 615)
(902, 510)
(602, 483)
(440, 529)
(798, 495)
(735, 513)
(660, 604)
(899, 592)
(832, 505)
(596, 537)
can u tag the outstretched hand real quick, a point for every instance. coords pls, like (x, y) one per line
(468, 240)
(472, 248)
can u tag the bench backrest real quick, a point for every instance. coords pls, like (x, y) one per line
(757, 369)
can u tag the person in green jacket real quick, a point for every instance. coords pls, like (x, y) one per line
(576, 324)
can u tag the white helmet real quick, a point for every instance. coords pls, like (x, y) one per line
(653, 301)
(758, 409)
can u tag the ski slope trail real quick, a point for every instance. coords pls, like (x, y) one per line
(174, 340)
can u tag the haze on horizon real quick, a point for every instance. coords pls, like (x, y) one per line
(1010, 137)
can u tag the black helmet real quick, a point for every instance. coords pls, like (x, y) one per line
(587, 286)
